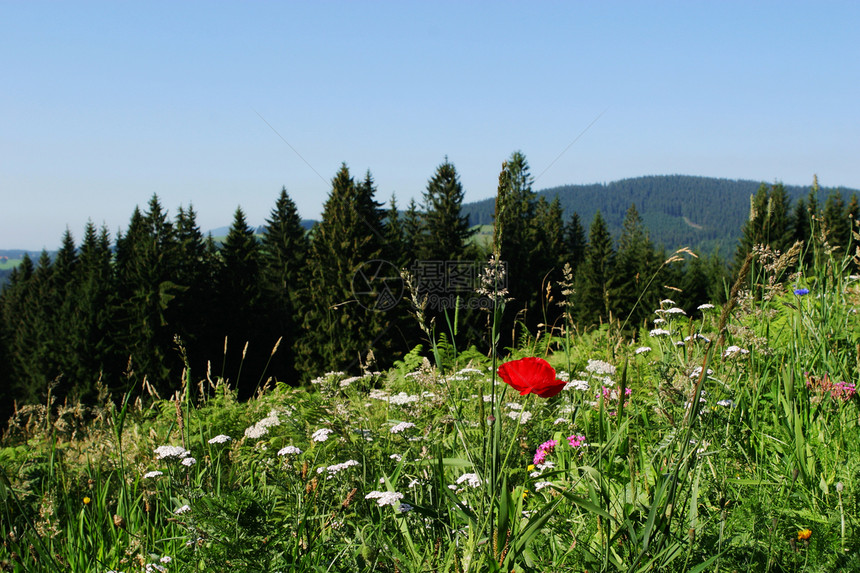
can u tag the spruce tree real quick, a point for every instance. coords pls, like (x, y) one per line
(514, 237)
(241, 304)
(634, 265)
(341, 324)
(594, 276)
(575, 241)
(284, 254)
(836, 223)
(446, 230)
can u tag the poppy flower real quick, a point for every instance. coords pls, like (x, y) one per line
(531, 376)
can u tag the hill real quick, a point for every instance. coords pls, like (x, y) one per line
(704, 213)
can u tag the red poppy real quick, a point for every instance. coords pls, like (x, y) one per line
(531, 376)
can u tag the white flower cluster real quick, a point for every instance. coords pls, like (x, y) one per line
(733, 351)
(697, 371)
(695, 337)
(167, 452)
(402, 399)
(184, 509)
(402, 426)
(289, 451)
(337, 468)
(521, 417)
(581, 385)
(706, 306)
(384, 498)
(152, 474)
(660, 332)
(600, 367)
(220, 439)
(471, 479)
(542, 484)
(643, 349)
(261, 428)
(514, 406)
(188, 462)
(321, 435)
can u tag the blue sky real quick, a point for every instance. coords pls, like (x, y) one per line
(106, 103)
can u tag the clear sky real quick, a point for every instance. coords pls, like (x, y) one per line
(105, 103)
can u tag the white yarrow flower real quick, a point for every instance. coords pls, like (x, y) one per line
(706, 306)
(402, 426)
(289, 451)
(600, 367)
(188, 462)
(660, 332)
(165, 452)
(184, 509)
(321, 435)
(220, 439)
(643, 349)
(384, 498)
(472, 479)
(152, 474)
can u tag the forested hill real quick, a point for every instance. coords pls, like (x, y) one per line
(704, 213)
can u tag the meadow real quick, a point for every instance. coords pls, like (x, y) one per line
(724, 441)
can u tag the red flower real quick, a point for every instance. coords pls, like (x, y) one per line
(531, 376)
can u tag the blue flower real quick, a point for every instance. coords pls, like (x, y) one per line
(801, 291)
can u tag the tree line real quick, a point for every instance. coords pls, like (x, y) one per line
(289, 304)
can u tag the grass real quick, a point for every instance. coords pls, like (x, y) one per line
(732, 444)
(9, 264)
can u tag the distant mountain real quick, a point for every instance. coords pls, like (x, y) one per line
(223, 231)
(703, 213)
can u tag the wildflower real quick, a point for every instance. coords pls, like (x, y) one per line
(472, 479)
(166, 559)
(384, 498)
(321, 435)
(87, 500)
(220, 439)
(802, 292)
(659, 320)
(336, 468)
(581, 385)
(404, 507)
(540, 457)
(521, 417)
(188, 462)
(558, 421)
(726, 403)
(675, 310)
(152, 474)
(576, 441)
(165, 452)
(667, 302)
(643, 349)
(542, 484)
(402, 426)
(706, 306)
(600, 367)
(289, 451)
(256, 431)
(660, 332)
(531, 375)
(548, 446)
(396, 457)
(402, 399)
(696, 336)
(804, 534)
(184, 509)
(734, 350)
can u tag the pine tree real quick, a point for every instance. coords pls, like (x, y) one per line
(284, 249)
(241, 305)
(93, 306)
(836, 223)
(341, 325)
(634, 265)
(146, 259)
(412, 228)
(593, 278)
(575, 241)
(394, 239)
(446, 230)
(514, 233)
